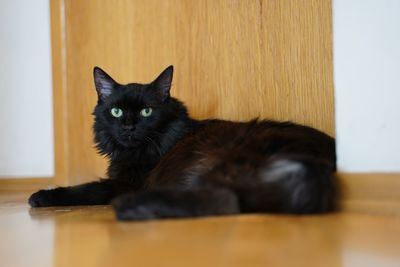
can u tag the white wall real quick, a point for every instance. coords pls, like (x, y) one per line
(26, 128)
(367, 84)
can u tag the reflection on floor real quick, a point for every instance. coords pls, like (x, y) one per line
(90, 236)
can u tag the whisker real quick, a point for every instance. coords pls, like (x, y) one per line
(154, 143)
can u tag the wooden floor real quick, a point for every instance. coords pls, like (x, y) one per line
(90, 236)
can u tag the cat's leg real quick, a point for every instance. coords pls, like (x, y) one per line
(94, 193)
(295, 184)
(176, 203)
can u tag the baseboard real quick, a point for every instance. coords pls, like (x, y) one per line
(370, 192)
(25, 184)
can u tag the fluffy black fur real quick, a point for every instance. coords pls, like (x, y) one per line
(167, 165)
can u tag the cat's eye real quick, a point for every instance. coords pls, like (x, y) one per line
(116, 112)
(146, 112)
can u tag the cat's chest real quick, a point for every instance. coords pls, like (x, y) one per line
(132, 168)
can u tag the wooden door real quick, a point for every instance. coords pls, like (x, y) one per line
(233, 59)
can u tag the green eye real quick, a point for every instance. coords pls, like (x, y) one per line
(146, 112)
(116, 112)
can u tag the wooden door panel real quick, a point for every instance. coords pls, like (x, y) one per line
(233, 59)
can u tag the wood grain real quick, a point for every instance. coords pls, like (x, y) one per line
(25, 184)
(370, 192)
(90, 236)
(233, 60)
(60, 100)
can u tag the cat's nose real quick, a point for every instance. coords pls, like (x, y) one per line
(128, 127)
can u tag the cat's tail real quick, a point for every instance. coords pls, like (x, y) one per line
(290, 184)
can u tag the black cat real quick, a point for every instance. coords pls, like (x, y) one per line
(163, 164)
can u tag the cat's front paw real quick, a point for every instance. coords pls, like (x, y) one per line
(42, 198)
(128, 208)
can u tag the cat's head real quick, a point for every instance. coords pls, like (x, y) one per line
(128, 116)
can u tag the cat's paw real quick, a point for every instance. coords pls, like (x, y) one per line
(129, 208)
(42, 198)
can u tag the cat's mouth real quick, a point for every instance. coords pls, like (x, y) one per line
(129, 140)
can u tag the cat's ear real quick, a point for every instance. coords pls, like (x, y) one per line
(163, 82)
(104, 83)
